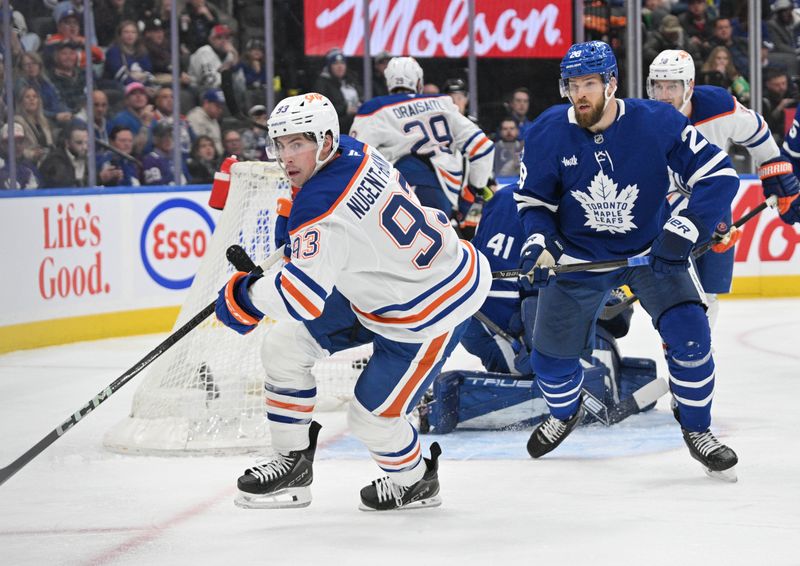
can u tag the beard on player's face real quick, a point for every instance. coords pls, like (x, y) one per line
(587, 119)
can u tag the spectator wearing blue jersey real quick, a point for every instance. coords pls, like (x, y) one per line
(127, 59)
(138, 115)
(595, 189)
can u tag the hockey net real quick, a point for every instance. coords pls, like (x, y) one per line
(206, 394)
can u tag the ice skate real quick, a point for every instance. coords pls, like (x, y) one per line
(551, 433)
(385, 495)
(718, 460)
(281, 481)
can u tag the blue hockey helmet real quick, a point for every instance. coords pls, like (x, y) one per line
(587, 59)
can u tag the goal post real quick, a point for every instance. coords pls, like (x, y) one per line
(206, 394)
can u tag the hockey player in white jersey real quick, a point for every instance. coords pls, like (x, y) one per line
(355, 224)
(723, 121)
(439, 151)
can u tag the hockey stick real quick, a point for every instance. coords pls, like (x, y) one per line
(575, 267)
(641, 398)
(612, 311)
(15, 466)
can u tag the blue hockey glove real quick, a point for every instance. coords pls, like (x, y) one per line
(792, 214)
(778, 178)
(234, 308)
(536, 260)
(673, 246)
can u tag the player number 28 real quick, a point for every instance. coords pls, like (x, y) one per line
(405, 222)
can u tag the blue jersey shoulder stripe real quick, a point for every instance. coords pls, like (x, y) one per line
(709, 102)
(320, 195)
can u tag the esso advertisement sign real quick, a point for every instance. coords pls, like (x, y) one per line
(175, 237)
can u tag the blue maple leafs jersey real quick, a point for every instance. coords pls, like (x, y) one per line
(791, 146)
(603, 195)
(500, 237)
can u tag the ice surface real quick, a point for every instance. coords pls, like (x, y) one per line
(629, 494)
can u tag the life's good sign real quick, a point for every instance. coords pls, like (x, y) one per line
(513, 28)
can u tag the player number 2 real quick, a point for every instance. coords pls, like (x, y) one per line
(404, 221)
(496, 245)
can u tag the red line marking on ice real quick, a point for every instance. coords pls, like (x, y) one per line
(151, 533)
(745, 337)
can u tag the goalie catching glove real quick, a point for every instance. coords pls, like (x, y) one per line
(537, 257)
(234, 308)
(777, 177)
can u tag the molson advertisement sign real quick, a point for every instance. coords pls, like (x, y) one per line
(512, 28)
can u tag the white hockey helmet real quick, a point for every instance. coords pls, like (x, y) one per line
(672, 65)
(310, 113)
(403, 72)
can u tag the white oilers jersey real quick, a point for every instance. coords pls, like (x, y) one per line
(724, 121)
(431, 128)
(357, 226)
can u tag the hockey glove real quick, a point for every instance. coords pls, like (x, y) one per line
(234, 308)
(725, 238)
(535, 263)
(673, 246)
(778, 178)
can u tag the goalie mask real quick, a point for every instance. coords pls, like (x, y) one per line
(403, 72)
(311, 114)
(589, 58)
(672, 65)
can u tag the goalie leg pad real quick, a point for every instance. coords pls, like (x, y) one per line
(560, 381)
(495, 353)
(687, 337)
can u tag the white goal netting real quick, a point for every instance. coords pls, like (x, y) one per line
(205, 394)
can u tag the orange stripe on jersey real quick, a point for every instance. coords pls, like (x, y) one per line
(299, 297)
(425, 364)
(718, 115)
(290, 406)
(338, 200)
(478, 145)
(431, 307)
(449, 177)
(400, 462)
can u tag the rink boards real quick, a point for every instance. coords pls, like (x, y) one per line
(92, 263)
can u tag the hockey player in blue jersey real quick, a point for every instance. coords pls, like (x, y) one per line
(354, 226)
(593, 186)
(722, 120)
(791, 149)
(439, 151)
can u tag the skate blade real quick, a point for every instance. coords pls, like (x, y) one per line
(728, 475)
(434, 501)
(291, 498)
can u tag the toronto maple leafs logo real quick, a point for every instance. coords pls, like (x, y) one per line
(605, 209)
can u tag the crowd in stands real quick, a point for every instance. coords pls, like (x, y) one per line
(132, 101)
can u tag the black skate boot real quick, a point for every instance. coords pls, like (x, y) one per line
(385, 495)
(717, 459)
(282, 481)
(552, 432)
